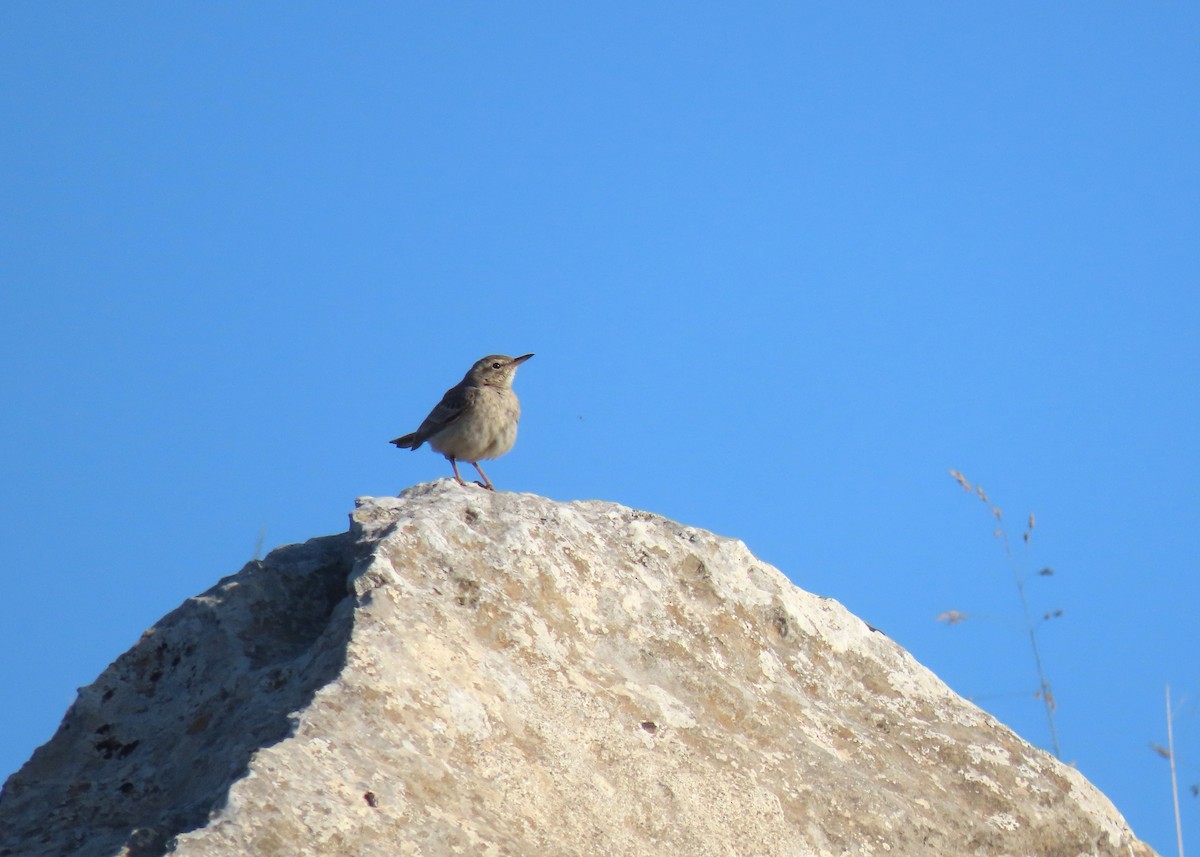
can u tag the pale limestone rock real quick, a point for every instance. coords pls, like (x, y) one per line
(515, 676)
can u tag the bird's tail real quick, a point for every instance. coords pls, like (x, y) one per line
(406, 442)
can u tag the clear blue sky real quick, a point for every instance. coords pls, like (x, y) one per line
(782, 266)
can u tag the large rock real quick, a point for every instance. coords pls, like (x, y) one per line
(513, 676)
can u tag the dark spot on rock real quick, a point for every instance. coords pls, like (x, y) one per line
(471, 516)
(156, 675)
(650, 726)
(783, 627)
(126, 788)
(278, 679)
(694, 567)
(104, 730)
(108, 694)
(110, 747)
(369, 797)
(697, 577)
(199, 724)
(468, 592)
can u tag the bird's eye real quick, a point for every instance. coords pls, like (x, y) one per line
(496, 365)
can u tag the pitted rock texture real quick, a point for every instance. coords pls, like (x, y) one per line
(152, 745)
(469, 672)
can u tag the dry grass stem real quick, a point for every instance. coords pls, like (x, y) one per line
(953, 617)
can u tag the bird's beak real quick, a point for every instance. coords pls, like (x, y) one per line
(517, 361)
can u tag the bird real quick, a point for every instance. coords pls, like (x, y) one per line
(476, 419)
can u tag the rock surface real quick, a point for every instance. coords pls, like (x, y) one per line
(479, 673)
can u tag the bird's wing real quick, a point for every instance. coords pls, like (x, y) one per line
(450, 408)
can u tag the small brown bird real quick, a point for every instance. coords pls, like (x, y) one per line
(476, 419)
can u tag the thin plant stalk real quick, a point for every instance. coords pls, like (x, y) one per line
(1031, 629)
(1174, 780)
(951, 617)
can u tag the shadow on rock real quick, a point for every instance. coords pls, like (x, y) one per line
(151, 748)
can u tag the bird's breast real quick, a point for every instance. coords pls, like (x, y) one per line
(488, 429)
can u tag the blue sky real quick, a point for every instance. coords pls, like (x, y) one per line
(782, 265)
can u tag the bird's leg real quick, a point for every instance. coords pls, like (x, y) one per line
(487, 483)
(454, 464)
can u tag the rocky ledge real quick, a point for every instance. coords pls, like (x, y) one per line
(468, 672)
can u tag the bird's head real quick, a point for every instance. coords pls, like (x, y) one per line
(495, 370)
